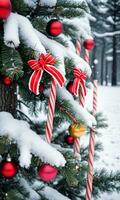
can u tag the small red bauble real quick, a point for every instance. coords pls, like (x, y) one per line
(54, 28)
(47, 172)
(70, 87)
(7, 80)
(8, 169)
(89, 44)
(69, 139)
(41, 88)
(5, 8)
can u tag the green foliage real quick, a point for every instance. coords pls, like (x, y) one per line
(12, 64)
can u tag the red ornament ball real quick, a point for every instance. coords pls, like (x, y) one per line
(7, 80)
(69, 87)
(54, 27)
(69, 139)
(5, 8)
(89, 44)
(8, 169)
(47, 172)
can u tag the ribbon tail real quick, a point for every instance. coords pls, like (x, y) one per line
(34, 81)
(56, 74)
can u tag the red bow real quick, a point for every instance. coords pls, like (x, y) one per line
(46, 63)
(80, 78)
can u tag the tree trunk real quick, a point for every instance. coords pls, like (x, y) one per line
(114, 65)
(106, 73)
(102, 62)
(8, 98)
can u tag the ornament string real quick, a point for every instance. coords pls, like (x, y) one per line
(91, 148)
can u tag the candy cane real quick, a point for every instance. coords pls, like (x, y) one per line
(78, 47)
(51, 109)
(87, 56)
(77, 140)
(91, 149)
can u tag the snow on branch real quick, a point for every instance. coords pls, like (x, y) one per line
(107, 34)
(28, 142)
(81, 113)
(48, 192)
(60, 52)
(31, 3)
(17, 26)
(48, 3)
(11, 32)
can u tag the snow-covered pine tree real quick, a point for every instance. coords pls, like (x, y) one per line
(23, 37)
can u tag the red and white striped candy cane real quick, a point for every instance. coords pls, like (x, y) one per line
(78, 47)
(87, 56)
(91, 149)
(77, 140)
(51, 109)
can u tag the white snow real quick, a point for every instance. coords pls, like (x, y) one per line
(28, 142)
(33, 195)
(109, 105)
(30, 3)
(11, 31)
(48, 192)
(81, 112)
(82, 24)
(15, 24)
(107, 34)
(48, 3)
(52, 194)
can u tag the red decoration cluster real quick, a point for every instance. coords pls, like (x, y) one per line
(54, 28)
(89, 44)
(8, 169)
(5, 8)
(47, 172)
(70, 87)
(69, 139)
(7, 80)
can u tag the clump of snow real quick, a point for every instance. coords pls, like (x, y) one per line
(80, 112)
(82, 24)
(21, 27)
(28, 142)
(48, 192)
(33, 195)
(11, 26)
(48, 3)
(30, 3)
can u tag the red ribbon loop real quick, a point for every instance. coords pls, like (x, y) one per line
(80, 78)
(46, 62)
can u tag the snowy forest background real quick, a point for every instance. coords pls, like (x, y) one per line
(106, 29)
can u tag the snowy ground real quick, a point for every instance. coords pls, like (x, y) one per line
(109, 103)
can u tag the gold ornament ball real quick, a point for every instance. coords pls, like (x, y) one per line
(77, 130)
